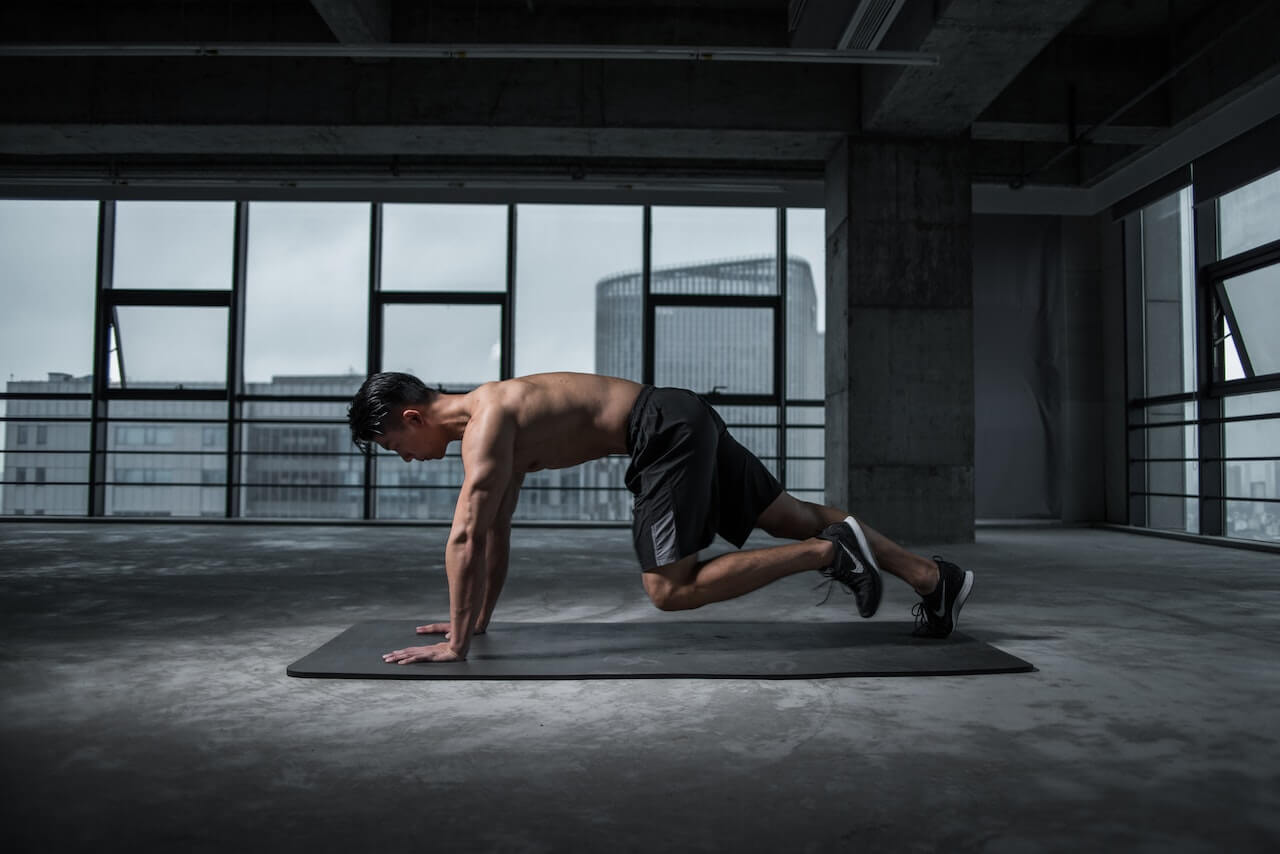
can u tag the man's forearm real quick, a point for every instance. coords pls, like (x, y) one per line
(497, 552)
(464, 563)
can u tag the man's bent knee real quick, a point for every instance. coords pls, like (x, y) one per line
(669, 587)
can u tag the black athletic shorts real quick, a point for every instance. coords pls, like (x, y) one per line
(691, 479)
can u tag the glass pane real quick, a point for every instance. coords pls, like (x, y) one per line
(804, 441)
(1252, 467)
(1172, 514)
(1255, 303)
(455, 346)
(1253, 520)
(307, 290)
(805, 475)
(164, 347)
(48, 264)
(708, 350)
(1260, 403)
(720, 251)
(174, 245)
(303, 468)
(1166, 445)
(418, 490)
(619, 327)
(566, 254)
(206, 412)
(1168, 301)
(806, 302)
(444, 247)
(164, 468)
(1249, 217)
(806, 415)
(44, 459)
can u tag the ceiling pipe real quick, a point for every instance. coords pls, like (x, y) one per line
(478, 51)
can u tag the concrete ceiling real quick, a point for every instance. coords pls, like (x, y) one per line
(1058, 92)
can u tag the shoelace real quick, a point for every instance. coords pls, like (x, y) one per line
(921, 613)
(833, 575)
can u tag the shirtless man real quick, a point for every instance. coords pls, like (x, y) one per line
(690, 478)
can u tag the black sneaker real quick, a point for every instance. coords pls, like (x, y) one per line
(938, 614)
(854, 567)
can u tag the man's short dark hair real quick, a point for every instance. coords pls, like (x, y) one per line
(376, 407)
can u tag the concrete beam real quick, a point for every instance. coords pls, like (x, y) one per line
(98, 140)
(983, 44)
(1060, 133)
(357, 21)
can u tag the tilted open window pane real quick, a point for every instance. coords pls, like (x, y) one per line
(174, 245)
(455, 346)
(1253, 301)
(728, 350)
(167, 347)
(444, 247)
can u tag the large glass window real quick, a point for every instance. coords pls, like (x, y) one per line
(306, 301)
(436, 299)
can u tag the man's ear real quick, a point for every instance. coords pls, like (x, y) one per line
(411, 417)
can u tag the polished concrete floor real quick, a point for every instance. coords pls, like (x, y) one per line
(145, 706)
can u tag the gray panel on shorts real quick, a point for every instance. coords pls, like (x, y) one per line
(664, 539)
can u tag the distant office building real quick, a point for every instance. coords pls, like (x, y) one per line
(714, 349)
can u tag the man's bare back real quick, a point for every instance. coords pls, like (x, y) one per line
(561, 419)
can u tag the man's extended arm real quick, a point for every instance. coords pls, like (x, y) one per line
(487, 450)
(498, 551)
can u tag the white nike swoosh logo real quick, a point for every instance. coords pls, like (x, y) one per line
(941, 611)
(857, 564)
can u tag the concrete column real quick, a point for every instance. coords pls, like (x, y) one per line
(899, 341)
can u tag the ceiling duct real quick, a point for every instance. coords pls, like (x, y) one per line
(868, 24)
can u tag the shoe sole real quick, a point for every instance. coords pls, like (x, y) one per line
(852, 524)
(965, 589)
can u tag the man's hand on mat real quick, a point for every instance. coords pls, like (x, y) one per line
(437, 652)
(443, 628)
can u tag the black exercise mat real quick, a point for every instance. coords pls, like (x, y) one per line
(743, 649)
